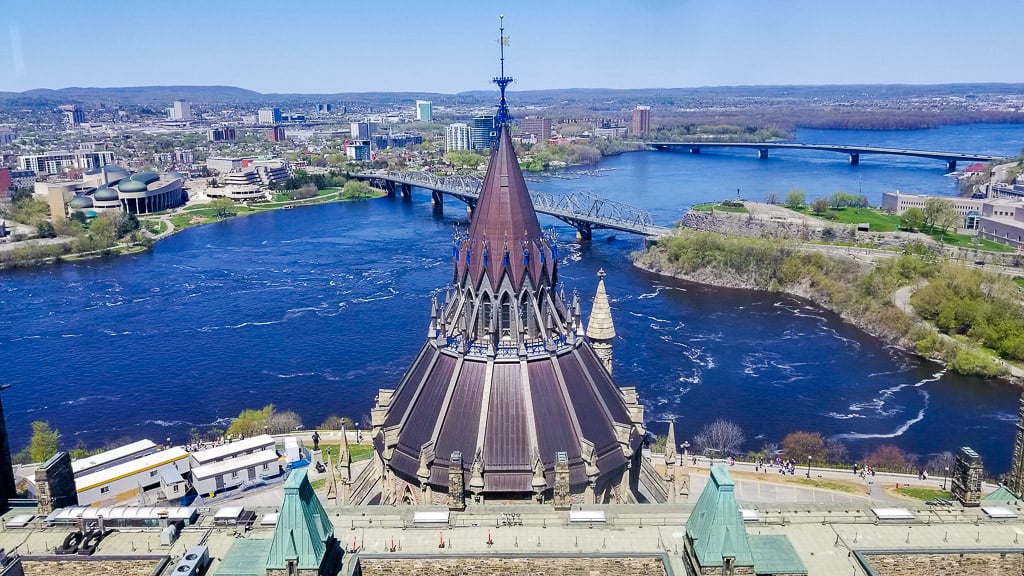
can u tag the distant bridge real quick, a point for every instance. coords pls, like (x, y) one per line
(582, 210)
(762, 148)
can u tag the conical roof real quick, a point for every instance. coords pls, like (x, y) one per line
(601, 326)
(304, 531)
(715, 528)
(505, 235)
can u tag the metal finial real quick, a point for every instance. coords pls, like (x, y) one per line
(503, 117)
(600, 273)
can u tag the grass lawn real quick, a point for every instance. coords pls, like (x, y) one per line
(712, 206)
(922, 494)
(836, 485)
(154, 226)
(878, 221)
(965, 241)
(359, 452)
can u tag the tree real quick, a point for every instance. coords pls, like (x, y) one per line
(799, 445)
(912, 219)
(45, 442)
(251, 422)
(795, 199)
(888, 456)
(836, 452)
(102, 232)
(941, 463)
(45, 229)
(223, 207)
(357, 189)
(771, 198)
(938, 212)
(819, 205)
(334, 422)
(721, 436)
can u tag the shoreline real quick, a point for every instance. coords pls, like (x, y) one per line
(720, 279)
(124, 249)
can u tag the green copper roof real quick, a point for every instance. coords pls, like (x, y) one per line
(773, 554)
(303, 529)
(246, 557)
(1002, 494)
(715, 528)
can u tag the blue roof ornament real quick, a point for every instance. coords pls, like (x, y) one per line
(503, 116)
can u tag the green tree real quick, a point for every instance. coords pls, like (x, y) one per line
(44, 443)
(45, 229)
(223, 207)
(795, 199)
(819, 205)
(102, 232)
(936, 211)
(912, 219)
(357, 189)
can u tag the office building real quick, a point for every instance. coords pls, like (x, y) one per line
(5, 183)
(641, 120)
(539, 127)
(267, 116)
(225, 133)
(483, 134)
(323, 108)
(56, 162)
(7, 136)
(22, 179)
(358, 150)
(363, 130)
(424, 111)
(274, 134)
(73, 115)
(181, 111)
(457, 137)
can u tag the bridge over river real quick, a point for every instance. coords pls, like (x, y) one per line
(582, 210)
(762, 148)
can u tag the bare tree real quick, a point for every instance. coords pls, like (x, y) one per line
(941, 462)
(771, 198)
(723, 437)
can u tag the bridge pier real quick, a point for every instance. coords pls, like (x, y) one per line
(584, 231)
(437, 201)
(406, 192)
(950, 165)
(389, 187)
(762, 153)
(854, 158)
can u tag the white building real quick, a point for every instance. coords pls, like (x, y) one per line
(181, 111)
(233, 472)
(269, 116)
(262, 443)
(111, 458)
(424, 110)
(56, 162)
(130, 478)
(458, 137)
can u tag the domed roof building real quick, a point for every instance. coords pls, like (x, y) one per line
(80, 201)
(105, 194)
(507, 397)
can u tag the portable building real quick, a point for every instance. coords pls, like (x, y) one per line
(130, 478)
(234, 472)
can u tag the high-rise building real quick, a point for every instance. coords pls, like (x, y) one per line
(363, 130)
(483, 132)
(641, 120)
(181, 111)
(7, 136)
(424, 110)
(358, 150)
(73, 115)
(274, 134)
(219, 134)
(5, 183)
(323, 108)
(457, 137)
(539, 127)
(268, 116)
(53, 163)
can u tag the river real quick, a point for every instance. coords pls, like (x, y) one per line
(314, 309)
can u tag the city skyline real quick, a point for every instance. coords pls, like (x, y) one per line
(327, 48)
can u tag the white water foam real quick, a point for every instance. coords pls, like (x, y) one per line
(898, 432)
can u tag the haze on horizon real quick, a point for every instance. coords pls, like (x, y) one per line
(322, 46)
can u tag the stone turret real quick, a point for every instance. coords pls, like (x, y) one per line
(601, 329)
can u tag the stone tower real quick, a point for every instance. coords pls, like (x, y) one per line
(1015, 483)
(600, 329)
(967, 472)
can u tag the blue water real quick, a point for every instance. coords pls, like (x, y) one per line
(316, 308)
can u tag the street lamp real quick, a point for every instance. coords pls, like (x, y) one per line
(711, 458)
(808, 465)
(944, 474)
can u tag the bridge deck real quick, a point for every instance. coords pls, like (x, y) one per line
(831, 148)
(581, 210)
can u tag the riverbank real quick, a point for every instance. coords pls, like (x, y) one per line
(39, 252)
(861, 291)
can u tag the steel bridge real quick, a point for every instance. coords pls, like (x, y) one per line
(855, 152)
(582, 210)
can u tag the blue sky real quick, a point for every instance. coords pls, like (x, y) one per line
(354, 46)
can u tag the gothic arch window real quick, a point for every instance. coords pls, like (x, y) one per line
(506, 316)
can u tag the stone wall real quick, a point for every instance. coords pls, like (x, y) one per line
(954, 564)
(536, 566)
(90, 567)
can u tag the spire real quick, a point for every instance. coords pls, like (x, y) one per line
(670, 442)
(601, 329)
(502, 117)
